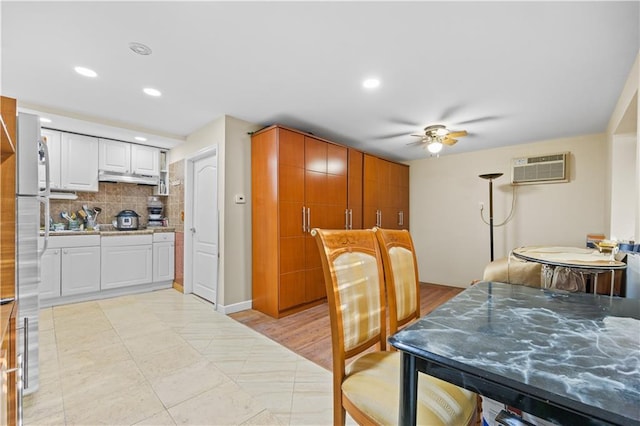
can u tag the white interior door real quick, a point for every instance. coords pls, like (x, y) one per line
(205, 228)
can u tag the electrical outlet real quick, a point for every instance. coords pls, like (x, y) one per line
(481, 205)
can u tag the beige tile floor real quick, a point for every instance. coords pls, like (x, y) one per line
(164, 358)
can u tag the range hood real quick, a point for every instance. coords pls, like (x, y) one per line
(105, 176)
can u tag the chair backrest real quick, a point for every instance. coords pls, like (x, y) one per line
(353, 274)
(401, 276)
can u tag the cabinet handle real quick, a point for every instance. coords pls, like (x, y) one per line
(308, 219)
(24, 369)
(400, 219)
(304, 223)
(346, 219)
(350, 218)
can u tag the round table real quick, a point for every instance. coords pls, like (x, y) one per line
(582, 259)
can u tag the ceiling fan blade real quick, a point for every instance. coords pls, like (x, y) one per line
(457, 134)
(449, 141)
(419, 136)
(479, 119)
(415, 143)
(391, 135)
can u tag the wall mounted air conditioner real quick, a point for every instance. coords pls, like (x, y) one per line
(551, 168)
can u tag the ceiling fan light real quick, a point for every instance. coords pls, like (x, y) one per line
(442, 131)
(434, 147)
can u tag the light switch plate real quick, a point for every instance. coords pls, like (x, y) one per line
(240, 199)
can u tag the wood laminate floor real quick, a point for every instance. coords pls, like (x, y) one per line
(308, 333)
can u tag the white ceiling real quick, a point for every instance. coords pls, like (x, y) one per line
(507, 72)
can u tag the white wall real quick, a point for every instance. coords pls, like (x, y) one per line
(623, 193)
(233, 141)
(237, 222)
(623, 125)
(452, 242)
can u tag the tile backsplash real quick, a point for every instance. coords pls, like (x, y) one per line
(111, 198)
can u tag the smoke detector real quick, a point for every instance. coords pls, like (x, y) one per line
(140, 49)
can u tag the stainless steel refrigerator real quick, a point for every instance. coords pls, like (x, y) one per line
(32, 204)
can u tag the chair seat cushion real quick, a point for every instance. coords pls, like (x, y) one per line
(372, 384)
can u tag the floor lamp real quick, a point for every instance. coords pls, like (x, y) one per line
(490, 177)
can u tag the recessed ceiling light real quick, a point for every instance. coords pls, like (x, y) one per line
(140, 138)
(45, 120)
(86, 72)
(139, 48)
(151, 91)
(371, 83)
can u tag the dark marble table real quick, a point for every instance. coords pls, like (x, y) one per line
(570, 358)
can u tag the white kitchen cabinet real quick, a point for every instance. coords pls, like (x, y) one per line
(70, 266)
(124, 157)
(145, 160)
(73, 162)
(49, 286)
(115, 156)
(79, 163)
(163, 256)
(80, 270)
(126, 261)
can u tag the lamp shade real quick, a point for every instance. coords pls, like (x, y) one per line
(435, 147)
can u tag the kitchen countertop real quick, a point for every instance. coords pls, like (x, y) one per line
(109, 230)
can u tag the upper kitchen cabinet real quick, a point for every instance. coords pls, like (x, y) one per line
(145, 160)
(73, 161)
(79, 163)
(115, 156)
(124, 157)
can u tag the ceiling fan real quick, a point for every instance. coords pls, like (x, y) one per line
(437, 135)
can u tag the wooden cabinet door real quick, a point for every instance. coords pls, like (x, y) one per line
(326, 203)
(291, 199)
(370, 192)
(354, 188)
(404, 196)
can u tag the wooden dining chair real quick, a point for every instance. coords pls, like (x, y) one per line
(368, 386)
(401, 276)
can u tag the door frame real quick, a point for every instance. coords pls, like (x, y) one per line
(188, 216)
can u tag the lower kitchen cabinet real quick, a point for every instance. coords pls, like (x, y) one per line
(70, 266)
(163, 256)
(50, 274)
(126, 261)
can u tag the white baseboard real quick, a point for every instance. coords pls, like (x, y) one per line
(233, 308)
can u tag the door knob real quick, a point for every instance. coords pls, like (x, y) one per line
(193, 230)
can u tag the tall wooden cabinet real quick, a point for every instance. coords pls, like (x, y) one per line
(385, 193)
(354, 189)
(8, 310)
(299, 182)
